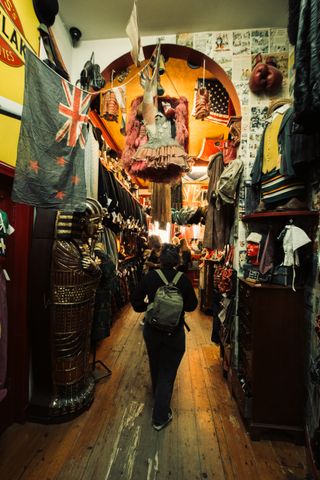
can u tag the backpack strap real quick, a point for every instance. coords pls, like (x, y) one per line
(163, 278)
(165, 281)
(176, 278)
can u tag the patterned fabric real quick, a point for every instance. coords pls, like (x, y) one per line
(192, 195)
(4, 223)
(162, 159)
(218, 100)
(202, 107)
(276, 187)
(50, 160)
(109, 108)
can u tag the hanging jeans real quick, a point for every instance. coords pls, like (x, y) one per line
(165, 352)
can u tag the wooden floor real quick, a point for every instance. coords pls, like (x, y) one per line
(114, 439)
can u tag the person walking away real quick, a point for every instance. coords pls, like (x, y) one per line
(165, 349)
(152, 259)
(185, 256)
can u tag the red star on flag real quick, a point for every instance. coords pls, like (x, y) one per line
(60, 195)
(75, 180)
(61, 161)
(34, 166)
(76, 119)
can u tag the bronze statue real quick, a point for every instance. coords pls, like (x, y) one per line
(75, 275)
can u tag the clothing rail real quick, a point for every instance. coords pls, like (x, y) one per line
(120, 183)
(10, 108)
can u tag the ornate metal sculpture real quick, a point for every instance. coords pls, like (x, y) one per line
(75, 275)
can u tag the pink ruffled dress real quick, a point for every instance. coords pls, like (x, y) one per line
(161, 159)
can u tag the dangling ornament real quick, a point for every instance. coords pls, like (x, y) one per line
(202, 106)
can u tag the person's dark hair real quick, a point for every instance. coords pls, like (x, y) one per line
(184, 245)
(155, 242)
(169, 256)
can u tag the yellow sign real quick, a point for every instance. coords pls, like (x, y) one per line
(18, 28)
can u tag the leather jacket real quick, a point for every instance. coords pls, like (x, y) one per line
(307, 59)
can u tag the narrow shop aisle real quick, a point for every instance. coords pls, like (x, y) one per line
(114, 439)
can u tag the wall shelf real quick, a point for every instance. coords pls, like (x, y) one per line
(281, 215)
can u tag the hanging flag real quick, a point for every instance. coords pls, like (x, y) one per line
(132, 31)
(218, 100)
(50, 159)
(192, 195)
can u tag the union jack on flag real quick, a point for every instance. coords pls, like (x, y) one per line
(50, 162)
(193, 195)
(77, 104)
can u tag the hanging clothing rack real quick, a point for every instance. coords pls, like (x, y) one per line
(121, 184)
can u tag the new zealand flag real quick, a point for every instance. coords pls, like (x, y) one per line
(50, 160)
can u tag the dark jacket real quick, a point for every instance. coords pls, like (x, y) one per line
(307, 65)
(151, 282)
(296, 149)
(186, 261)
(218, 222)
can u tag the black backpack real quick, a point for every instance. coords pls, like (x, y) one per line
(165, 311)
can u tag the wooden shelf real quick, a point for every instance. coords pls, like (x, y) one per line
(274, 214)
(270, 286)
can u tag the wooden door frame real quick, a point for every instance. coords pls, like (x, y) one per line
(13, 407)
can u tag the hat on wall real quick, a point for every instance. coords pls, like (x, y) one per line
(254, 237)
(46, 11)
(294, 238)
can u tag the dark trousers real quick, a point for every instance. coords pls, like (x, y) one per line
(165, 352)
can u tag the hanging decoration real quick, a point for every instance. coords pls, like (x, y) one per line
(132, 30)
(218, 100)
(50, 160)
(158, 156)
(91, 76)
(265, 76)
(109, 107)
(202, 101)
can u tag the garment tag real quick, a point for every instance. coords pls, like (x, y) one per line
(6, 275)
(10, 230)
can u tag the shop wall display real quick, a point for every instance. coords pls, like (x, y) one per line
(235, 51)
(18, 26)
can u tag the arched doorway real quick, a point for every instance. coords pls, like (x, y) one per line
(183, 67)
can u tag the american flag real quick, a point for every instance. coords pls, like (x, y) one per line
(219, 100)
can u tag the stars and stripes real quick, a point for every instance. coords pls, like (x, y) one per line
(218, 100)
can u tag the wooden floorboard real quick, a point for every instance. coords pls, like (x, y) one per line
(114, 439)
